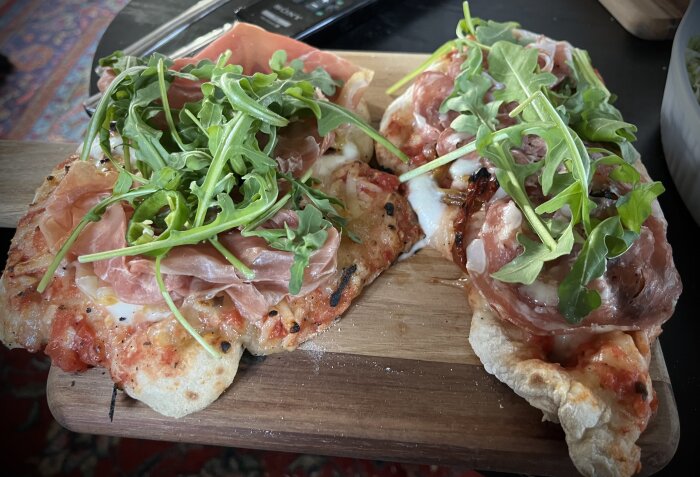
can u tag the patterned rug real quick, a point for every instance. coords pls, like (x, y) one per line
(51, 44)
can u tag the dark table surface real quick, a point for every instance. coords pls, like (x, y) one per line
(634, 69)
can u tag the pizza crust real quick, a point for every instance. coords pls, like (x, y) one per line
(600, 433)
(175, 381)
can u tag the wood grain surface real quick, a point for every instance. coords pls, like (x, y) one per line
(648, 19)
(395, 379)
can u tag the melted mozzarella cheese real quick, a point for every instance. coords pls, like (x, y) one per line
(328, 163)
(476, 256)
(541, 293)
(426, 199)
(464, 167)
(512, 220)
(96, 154)
(123, 313)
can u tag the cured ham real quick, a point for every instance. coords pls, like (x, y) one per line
(191, 269)
(638, 290)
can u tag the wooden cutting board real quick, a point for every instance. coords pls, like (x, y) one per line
(648, 19)
(395, 379)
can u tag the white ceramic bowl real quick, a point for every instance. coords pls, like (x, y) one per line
(680, 117)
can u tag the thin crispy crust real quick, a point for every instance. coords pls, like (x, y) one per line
(602, 422)
(159, 363)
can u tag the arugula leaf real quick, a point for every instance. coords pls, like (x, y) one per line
(232, 137)
(601, 121)
(635, 207)
(321, 201)
(576, 301)
(527, 266)
(309, 236)
(123, 183)
(516, 67)
(333, 116)
(468, 96)
(490, 32)
(231, 86)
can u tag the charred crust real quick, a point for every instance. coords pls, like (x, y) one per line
(295, 328)
(389, 208)
(604, 194)
(641, 388)
(479, 175)
(225, 346)
(459, 239)
(344, 280)
(391, 227)
(66, 168)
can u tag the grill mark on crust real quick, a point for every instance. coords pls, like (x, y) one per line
(344, 279)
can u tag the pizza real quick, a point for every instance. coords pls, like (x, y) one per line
(219, 203)
(523, 173)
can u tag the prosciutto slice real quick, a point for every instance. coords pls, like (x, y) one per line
(639, 289)
(252, 47)
(193, 269)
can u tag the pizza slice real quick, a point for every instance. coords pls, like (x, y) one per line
(522, 172)
(218, 203)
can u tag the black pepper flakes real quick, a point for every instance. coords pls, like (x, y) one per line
(389, 208)
(122, 318)
(225, 346)
(49, 178)
(88, 310)
(272, 313)
(66, 168)
(295, 328)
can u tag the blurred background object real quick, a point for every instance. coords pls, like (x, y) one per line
(680, 113)
(648, 19)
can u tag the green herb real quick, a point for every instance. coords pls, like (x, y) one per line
(309, 236)
(607, 240)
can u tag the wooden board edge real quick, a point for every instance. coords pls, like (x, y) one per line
(659, 442)
(665, 446)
